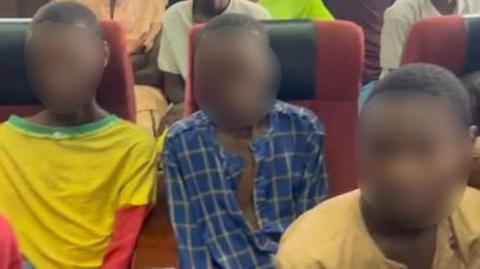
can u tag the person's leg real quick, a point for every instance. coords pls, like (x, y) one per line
(151, 108)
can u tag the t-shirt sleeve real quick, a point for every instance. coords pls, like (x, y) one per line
(166, 60)
(395, 31)
(141, 183)
(9, 253)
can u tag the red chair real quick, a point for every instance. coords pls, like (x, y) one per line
(115, 91)
(452, 42)
(321, 65)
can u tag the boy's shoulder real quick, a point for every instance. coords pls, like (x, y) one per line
(469, 211)
(321, 230)
(188, 125)
(131, 132)
(331, 217)
(300, 116)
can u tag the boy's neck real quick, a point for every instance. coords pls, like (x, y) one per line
(208, 9)
(380, 226)
(92, 112)
(246, 133)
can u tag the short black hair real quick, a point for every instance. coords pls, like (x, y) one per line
(234, 20)
(70, 13)
(429, 79)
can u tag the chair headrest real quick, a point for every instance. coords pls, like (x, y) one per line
(295, 45)
(14, 89)
(451, 42)
(472, 52)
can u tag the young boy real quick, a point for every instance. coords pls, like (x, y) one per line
(243, 168)
(75, 181)
(413, 209)
(400, 17)
(173, 55)
(9, 254)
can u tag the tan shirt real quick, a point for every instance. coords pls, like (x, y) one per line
(140, 19)
(333, 235)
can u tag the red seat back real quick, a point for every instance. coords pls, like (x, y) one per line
(115, 91)
(321, 70)
(451, 42)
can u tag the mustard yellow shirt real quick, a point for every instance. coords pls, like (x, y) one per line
(62, 187)
(333, 235)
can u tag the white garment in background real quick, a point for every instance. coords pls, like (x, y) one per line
(177, 21)
(398, 20)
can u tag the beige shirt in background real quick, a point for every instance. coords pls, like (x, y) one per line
(398, 20)
(141, 19)
(333, 235)
(178, 19)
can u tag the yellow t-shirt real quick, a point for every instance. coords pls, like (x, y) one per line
(333, 235)
(62, 187)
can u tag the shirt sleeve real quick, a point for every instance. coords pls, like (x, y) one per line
(395, 32)
(9, 253)
(166, 61)
(141, 180)
(182, 214)
(313, 187)
(318, 10)
(127, 229)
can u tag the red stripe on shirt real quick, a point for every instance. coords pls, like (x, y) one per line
(127, 229)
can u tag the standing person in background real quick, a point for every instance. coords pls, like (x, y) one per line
(296, 9)
(369, 15)
(142, 23)
(401, 16)
(173, 56)
(9, 253)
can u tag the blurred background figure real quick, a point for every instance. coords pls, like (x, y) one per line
(142, 23)
(400, 17)
(296, 9)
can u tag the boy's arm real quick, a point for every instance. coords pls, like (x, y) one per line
(182, 213)
(313, 187)
(136, 198)
(127, 229)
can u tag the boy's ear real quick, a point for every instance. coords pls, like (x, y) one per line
(107, 54)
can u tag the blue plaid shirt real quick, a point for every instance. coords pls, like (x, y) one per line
(202, 177)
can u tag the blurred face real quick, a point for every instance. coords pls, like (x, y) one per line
(234, 75)
(414, 158)
(65, 65)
